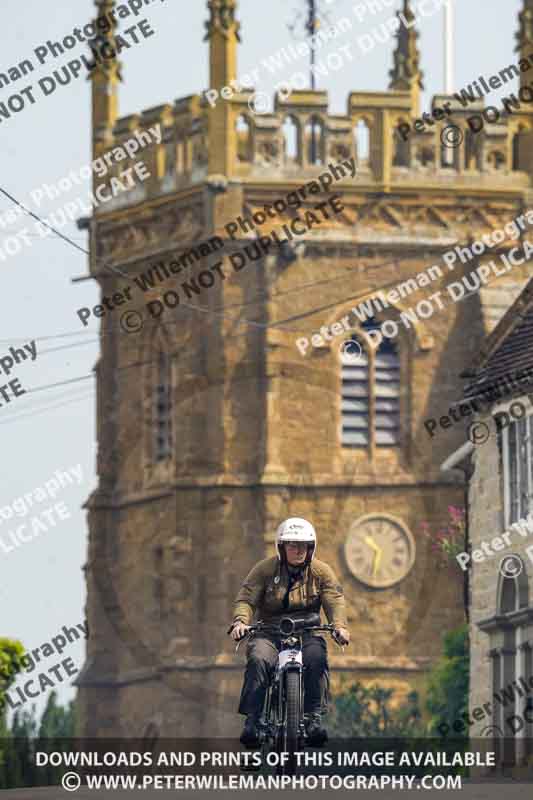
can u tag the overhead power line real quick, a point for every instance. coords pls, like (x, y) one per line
(35, 412)
(43, 222)
(116, 271)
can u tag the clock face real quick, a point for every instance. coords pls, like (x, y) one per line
(379, 550)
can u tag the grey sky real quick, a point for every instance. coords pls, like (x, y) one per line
(41, 583)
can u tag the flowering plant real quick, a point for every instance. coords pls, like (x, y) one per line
(448, 541)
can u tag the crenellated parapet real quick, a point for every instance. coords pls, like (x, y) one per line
(299, 137)
(229, 140)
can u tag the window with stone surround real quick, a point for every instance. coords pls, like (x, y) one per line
(517, 462)
(513, 593)
(510, 651)
(370, 389)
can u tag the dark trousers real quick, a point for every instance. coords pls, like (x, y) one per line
(262, 653)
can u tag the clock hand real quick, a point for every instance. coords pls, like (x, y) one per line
(377, 562)
(370, 542)
(377, 558)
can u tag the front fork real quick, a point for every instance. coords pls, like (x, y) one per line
(302, 723)
(273, 718)
(282, 701)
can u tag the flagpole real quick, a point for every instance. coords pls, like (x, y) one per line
(312, 20)
(312, 31)
(448, 46)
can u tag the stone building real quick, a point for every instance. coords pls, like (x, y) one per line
(500, 557)
(212, 424)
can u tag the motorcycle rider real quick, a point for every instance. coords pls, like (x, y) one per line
(291, 584)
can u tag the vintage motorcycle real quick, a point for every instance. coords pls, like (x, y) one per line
(281, 727)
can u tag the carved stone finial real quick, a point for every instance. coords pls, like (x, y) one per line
(105, 72)
(525, 31)
(222, 18)
(406, 70)
(102, 44)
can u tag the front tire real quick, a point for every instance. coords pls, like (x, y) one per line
(292, 684)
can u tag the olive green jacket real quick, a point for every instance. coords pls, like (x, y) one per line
(261, 595)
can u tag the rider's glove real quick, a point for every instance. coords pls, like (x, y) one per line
(342, 635)
(238, 631)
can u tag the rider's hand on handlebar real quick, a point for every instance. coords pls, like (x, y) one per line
(342, 635)
(239, 631)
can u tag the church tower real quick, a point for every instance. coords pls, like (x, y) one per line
(237, 386)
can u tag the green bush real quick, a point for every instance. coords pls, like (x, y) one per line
(26, 735)
(11, 653)
(360, 711)
(448, 684)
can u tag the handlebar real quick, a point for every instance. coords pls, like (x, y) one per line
(289, 627)
(262, 626)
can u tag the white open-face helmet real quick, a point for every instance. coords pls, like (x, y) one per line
(296, 529)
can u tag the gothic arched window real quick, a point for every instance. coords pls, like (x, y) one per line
(362, 141)
(163, 408)
(355, 394)
(244, 138)
(517, 148)
(290, 139)
(370, 390)
(314, 137)
(170, 153)
(401, 149)
(516, 448)
(509, 596)
(386, 393)
(472, 150)
(447, 156)
(181, 154)
(511, 660)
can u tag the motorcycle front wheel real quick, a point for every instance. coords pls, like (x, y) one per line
(292, 717)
